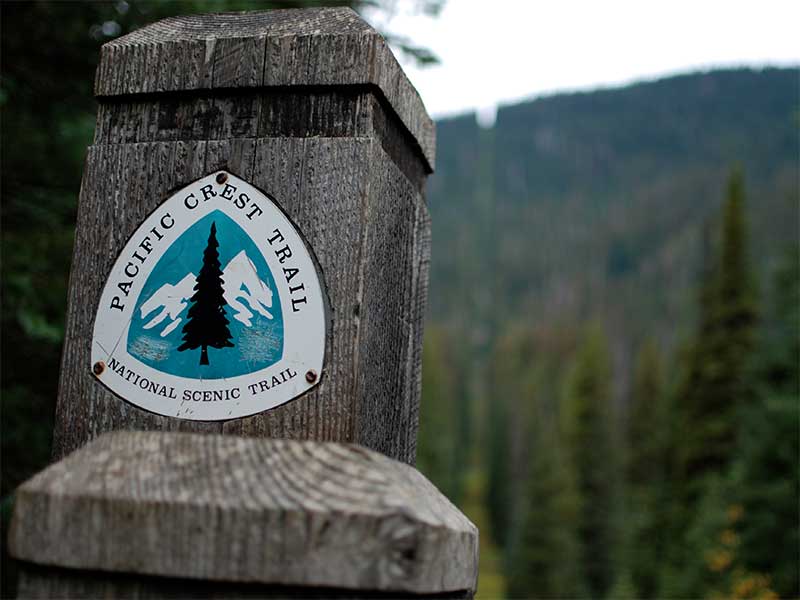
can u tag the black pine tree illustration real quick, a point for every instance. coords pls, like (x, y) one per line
(207, 324)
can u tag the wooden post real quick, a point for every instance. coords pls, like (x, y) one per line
(307, 115)
(311, 107)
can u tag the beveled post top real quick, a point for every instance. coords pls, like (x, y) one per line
(225, 508)
(277, 48)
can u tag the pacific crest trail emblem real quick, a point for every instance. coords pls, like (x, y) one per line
(213, 307)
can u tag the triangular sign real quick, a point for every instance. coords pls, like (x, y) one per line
(214, 308)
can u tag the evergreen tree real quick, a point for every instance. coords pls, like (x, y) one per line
(624, 588)
(207, 325)
(718, 385)
(767, 487)
(511, 374)
(498, 493)
(766, 475)
(646, 473)
(716, 393)
(588, 438)
(544, 559)
(437, 453)
(645, 418)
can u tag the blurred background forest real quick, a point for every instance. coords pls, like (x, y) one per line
(612, 354)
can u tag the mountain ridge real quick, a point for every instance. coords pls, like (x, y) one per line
(596, 204)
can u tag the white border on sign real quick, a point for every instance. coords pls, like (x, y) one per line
(304, 330)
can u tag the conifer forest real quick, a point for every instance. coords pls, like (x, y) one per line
(611, 366)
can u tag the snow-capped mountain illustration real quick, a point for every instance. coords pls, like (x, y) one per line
(172, 300)
(240, 280)
(243, 290)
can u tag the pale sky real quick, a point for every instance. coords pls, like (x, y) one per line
(499, 51)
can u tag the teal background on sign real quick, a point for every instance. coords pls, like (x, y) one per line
(256, 346)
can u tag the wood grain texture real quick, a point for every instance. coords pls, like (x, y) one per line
(349, 111)
(358, 213)
(325, 187)
(224, 508)
(308, 47)
(46, 583)
(390, 312)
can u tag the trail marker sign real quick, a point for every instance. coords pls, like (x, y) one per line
(213, 309)
(252, 241)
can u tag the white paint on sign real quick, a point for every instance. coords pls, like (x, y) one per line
(214, 309)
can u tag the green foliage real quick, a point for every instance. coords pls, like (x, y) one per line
(587, 423)
(766, 474)
(735, 522)
(624, 588)
(498, 463)
(719, 383)
(647, 470)
(491, 580)
(645, 430)
(510, 366)
(767, 483)
(598, 198)
(440, 454)
(592, 204)
(545, 560)
(47, 123)
(714, 567)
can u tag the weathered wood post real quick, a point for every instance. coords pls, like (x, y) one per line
(251, 262)
(311, 108)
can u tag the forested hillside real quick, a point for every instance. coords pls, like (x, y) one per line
(593, 204)
(612, 341)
